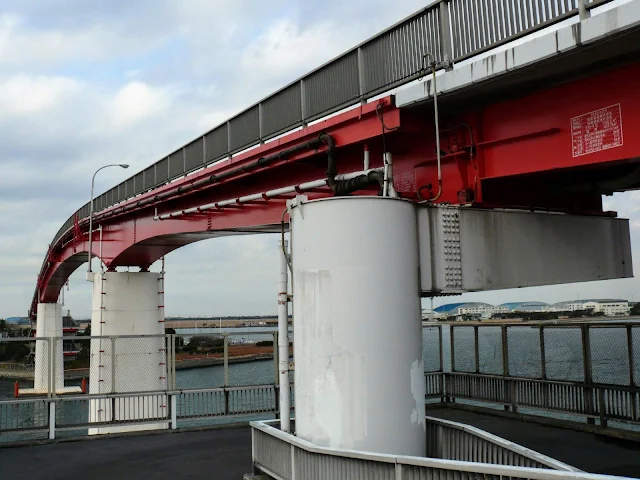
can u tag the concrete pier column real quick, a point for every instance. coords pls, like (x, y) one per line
(125, 304)
(359, 375)
(48, 325)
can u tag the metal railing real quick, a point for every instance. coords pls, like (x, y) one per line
(216, 376)
(590, 369)
(112, 381)
(286, 457)
(449, 30)
(456, 441)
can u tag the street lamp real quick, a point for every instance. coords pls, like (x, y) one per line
(93, 179)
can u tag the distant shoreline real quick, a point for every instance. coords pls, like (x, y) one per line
(186, 364)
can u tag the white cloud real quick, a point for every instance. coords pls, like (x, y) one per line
(285, 50)
(136, 101)
(23, 94)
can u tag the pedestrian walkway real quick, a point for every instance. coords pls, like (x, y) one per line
(221, 454)
(211, 454)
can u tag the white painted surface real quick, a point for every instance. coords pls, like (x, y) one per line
(496, 249)
(48, 324)
(534, 49)
(127, 303)
(358, 345)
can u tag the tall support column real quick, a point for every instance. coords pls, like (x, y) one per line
(128, 304)
(359, 373)
(49, 326)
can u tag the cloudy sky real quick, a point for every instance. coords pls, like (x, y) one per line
(85, 83)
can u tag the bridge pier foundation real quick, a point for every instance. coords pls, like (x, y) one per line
(359, 375)
(128, 304)
(48, 325)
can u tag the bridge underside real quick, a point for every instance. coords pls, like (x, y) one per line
(546, 125)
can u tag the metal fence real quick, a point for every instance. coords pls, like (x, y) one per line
(449, 30)
(96, 384)
(588, 369)
(287, 457)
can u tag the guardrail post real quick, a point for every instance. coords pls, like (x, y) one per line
(276, 373)
(451, 399)
(276, 359)
(174, 412)
(446, 42)
(452, 347)
(226, 373)
(505, 363)
(441, 379)
(583, 10)
(361, 79)
(632, 373)
(398, 471)
(476, 347)
(543, 368)
(303, 107)
(171, 364)
(52, 420)
(51, 373)
(113, 364)
(603, 408)
(440, 345)
(588, 380)
(261, 123)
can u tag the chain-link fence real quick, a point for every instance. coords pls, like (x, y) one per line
(590, 369)
(604, 353)
(432, 353)
(524, 353)
(103, 382)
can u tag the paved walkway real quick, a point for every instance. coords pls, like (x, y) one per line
(211, 454)
(226, 453)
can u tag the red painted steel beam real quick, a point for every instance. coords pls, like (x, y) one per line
(131, 237)
(560, 148)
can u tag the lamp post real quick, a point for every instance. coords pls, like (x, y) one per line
(93, 179)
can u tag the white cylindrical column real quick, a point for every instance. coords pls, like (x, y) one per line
(125, 304)
(359, 376)
(48, 325)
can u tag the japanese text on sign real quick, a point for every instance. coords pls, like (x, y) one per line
(597, 131)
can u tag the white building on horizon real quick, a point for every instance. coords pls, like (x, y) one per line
(609, 307)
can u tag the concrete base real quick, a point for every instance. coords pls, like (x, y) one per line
(129, 428)
(40, 392)
(128, 304)
(49, 326)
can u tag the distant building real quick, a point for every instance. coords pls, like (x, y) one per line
(526, 306)
(608, 307)
(471, 309)
(19, 321)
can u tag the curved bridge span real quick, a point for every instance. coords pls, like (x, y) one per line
(544, 125)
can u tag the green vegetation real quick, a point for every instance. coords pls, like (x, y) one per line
(203, 344)
(13, 352)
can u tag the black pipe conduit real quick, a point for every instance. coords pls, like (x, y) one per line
(338, 188)
(346, 187)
